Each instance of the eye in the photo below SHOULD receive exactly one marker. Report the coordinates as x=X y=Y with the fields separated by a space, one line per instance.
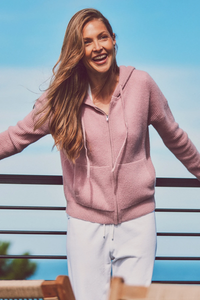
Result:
x=87 y=42
x=104 y=37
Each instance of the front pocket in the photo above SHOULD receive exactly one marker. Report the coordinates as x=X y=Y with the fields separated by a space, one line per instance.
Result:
x=94 y=192
x=135 y=183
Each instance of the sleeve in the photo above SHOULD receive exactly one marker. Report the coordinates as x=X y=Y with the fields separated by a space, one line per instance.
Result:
x=176 y=140
x=18 y=137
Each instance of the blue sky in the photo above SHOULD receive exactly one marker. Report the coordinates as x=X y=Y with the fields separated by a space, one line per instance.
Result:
x=156 y=31
x=158 y=36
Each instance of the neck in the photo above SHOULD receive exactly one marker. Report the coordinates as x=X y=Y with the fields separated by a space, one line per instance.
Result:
x=103 y=86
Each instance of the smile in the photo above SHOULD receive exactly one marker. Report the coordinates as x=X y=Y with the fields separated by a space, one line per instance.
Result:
x=100 y=58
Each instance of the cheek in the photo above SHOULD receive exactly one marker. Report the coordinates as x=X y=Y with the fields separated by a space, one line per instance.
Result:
x=86 y=59
x=111 y=48
x=86 y=54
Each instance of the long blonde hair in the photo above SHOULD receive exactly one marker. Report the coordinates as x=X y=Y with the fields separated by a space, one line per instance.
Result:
x=68 y=87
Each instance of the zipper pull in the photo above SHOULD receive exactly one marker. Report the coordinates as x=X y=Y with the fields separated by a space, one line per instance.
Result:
x=107 y=118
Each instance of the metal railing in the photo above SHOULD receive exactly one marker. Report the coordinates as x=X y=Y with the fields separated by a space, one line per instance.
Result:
x=57 y=180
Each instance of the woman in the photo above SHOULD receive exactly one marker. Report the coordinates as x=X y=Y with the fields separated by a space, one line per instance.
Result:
x=98 y=114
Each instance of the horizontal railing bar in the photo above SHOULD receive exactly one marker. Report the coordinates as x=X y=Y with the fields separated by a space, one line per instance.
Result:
x=176 y=281
x=33 y=232
x=63 y=208
x=54 y=232
x=178 y=234
x=182 y=210
x=189 y=258
x=32 y=207
x=33 y=257
x=177 y=182
x=57 y=180
x=177 y=258
x=31 y=179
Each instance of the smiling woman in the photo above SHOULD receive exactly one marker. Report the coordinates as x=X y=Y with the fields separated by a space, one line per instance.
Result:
x=99 y=114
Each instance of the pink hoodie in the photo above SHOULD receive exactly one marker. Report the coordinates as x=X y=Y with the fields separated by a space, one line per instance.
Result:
x=113 y=180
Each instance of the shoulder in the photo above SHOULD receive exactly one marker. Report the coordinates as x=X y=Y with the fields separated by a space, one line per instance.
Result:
x=135 y=74
x=142 y=76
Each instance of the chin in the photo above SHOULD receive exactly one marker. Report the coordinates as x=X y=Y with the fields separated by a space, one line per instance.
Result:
x=102 y=69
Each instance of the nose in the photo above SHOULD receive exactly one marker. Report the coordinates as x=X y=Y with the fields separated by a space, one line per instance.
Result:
x=97 y=46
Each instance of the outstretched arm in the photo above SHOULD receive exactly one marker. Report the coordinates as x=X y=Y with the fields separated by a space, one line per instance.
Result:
x=18 y=137
x=177 y=140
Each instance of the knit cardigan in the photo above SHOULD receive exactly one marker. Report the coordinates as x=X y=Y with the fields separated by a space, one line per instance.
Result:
x=113 y=179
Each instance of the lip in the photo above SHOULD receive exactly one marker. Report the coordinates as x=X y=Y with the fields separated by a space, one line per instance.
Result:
x=100 y=62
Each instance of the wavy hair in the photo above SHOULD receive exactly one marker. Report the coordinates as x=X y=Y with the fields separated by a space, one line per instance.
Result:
x=68 y=87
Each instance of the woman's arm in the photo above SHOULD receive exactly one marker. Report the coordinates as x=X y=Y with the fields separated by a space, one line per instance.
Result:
x=18 y=137
x=177 y=140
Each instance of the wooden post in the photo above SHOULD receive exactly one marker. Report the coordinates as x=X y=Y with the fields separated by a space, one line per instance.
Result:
x=116 y=288
x=64 y=288
x=61 y=288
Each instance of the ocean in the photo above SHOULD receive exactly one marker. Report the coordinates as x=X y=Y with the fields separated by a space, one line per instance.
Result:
x=163 y=270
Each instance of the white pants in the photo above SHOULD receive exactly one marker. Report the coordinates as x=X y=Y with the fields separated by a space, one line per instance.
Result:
x=93 y=250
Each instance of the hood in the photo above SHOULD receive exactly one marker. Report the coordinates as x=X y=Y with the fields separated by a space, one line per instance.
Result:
x=124 y=75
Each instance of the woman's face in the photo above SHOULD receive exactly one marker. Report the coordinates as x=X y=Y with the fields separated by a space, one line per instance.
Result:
x=99 y=47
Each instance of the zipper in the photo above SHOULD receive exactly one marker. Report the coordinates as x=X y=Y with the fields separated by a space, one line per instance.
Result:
x=103 y=112
x=113 y=176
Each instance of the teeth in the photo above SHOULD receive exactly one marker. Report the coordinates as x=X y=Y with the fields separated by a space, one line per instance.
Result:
x=100 y=57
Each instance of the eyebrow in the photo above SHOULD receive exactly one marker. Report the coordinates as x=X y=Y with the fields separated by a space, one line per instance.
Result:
x=105 y=31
